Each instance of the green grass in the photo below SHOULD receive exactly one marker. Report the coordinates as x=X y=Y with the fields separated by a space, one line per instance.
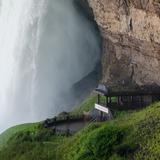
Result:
x=5 y=136
x=86 y=106
x=37 y=144
x=131 y=135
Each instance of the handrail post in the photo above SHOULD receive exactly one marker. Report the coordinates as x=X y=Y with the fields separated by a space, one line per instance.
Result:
x=106 y=101
x=98 y=99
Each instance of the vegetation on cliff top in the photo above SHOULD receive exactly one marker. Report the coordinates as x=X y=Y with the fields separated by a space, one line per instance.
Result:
x=133 y=135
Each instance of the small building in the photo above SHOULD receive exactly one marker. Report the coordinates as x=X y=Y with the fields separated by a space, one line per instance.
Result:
x=125 y=99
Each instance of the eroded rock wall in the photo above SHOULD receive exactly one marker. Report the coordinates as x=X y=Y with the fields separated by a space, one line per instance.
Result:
x=131 y=41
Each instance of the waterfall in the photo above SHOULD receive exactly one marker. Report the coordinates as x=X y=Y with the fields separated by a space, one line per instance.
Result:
x=46 y=46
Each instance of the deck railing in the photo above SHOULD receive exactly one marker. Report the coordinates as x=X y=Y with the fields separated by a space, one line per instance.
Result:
x=64 y=119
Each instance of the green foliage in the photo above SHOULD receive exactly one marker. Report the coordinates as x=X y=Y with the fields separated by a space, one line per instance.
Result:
x=100 y=143
x=131 y=135
x=31 y=145
x=5 y=136
x=148 y=135
x=120 y=114
x=95 y=145
x=86 y=106
x=116 y=157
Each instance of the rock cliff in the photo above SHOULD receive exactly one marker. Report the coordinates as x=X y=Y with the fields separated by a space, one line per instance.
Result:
x=131 y=41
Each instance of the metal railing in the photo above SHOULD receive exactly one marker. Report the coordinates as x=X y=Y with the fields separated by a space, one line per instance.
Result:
x=63 y=119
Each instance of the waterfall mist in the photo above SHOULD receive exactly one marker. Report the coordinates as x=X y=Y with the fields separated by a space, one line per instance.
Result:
x=46 y=47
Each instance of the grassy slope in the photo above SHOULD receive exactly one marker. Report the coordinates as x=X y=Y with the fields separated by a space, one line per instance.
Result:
x=5 y=136
x=39 y=144
x=131 y=135
x=86 y=105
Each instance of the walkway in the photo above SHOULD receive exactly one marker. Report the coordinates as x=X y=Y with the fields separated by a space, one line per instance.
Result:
x=69 y=125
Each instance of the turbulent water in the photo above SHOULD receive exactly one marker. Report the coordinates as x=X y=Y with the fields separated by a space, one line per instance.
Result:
x=46 y=46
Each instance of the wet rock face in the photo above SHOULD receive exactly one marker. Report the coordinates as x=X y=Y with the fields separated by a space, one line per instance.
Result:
x=131 y=41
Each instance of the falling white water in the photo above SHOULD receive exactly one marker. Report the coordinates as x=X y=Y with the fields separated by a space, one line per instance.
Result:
x=46 y=46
